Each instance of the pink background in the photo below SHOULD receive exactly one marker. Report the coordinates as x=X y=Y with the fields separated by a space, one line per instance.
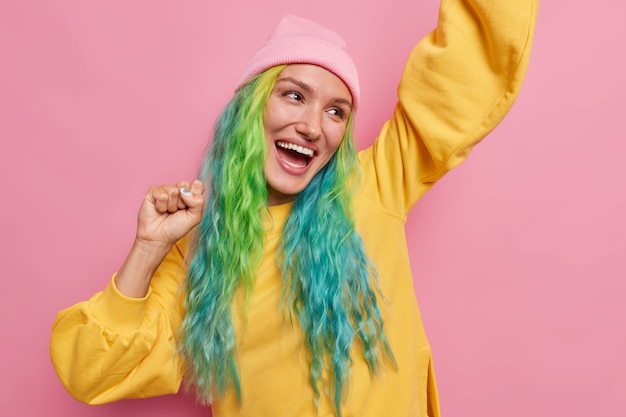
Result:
x=518 y=254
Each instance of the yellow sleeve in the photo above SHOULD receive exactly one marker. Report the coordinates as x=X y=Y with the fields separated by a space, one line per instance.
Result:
x=458 y=84
x=113 y=347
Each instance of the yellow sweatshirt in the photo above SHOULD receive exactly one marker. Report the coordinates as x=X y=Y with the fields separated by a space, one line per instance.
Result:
x=459 y=82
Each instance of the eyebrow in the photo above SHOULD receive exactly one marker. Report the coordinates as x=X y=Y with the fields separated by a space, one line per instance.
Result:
x=307 y=88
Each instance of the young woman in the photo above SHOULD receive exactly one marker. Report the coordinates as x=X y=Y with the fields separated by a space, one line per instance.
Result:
x=285 y=288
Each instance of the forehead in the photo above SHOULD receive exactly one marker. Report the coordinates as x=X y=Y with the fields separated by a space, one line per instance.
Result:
x=316 y=78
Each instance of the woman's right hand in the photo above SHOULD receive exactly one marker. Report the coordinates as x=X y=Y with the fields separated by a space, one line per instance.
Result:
x=167 y=213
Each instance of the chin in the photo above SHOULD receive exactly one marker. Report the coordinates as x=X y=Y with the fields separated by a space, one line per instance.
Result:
x=285 y=191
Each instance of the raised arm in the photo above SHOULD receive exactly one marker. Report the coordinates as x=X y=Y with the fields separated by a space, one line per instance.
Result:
x=458 y=84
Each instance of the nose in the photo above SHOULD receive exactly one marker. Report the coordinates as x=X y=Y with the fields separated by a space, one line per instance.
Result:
x=310 y=124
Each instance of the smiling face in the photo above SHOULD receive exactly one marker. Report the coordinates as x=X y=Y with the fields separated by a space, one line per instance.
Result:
x=305 y=120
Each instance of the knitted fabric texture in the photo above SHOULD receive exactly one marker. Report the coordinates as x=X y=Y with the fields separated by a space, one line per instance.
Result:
x=297 y=40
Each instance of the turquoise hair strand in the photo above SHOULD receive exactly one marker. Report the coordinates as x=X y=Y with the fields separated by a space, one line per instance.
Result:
x=329 y=282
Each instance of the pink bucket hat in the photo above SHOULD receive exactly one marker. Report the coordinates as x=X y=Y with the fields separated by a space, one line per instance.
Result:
x=302 y=41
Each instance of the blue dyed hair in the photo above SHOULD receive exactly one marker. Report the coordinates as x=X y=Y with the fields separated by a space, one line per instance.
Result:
x=329 y=283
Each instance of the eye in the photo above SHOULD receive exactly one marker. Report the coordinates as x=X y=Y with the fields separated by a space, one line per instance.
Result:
x=294 y=95
x=339 y=113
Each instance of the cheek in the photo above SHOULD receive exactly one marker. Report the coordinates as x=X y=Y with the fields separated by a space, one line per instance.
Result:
x=336 y=138
x=275 y=116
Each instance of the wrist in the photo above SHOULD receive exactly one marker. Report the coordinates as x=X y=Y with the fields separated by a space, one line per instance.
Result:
x=133 y=278
x=151 y=248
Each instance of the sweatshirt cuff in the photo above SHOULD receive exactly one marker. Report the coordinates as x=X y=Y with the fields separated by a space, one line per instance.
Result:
x=117 y=312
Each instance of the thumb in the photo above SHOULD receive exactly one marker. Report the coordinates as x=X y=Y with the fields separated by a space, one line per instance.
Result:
x=193 y=198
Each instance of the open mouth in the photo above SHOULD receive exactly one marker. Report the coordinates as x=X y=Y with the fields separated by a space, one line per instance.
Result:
x=294 y=155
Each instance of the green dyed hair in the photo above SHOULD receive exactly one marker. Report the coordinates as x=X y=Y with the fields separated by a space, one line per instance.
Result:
x=329 y=282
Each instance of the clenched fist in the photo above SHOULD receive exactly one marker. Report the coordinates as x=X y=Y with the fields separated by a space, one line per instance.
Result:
x=169 y=212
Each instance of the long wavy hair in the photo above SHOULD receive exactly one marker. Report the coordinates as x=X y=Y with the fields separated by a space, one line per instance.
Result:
x=330 y=284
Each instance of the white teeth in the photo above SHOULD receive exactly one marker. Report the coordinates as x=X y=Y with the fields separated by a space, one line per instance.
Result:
x=300 y=149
